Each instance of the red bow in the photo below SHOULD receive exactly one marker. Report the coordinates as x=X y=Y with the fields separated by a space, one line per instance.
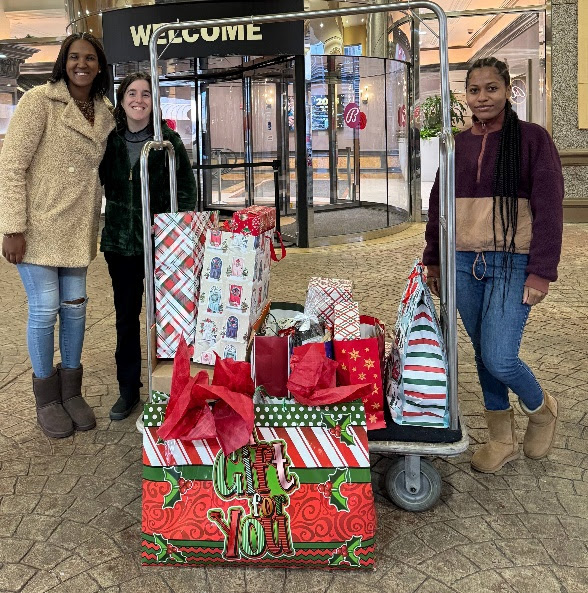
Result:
x=189 y=416
x=312 y=381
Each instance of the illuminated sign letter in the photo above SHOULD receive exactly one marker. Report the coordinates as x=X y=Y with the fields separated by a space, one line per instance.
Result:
x=190 y=37
x=231 y=33
x=210 y=36
x=141 y=34
x=254 y=33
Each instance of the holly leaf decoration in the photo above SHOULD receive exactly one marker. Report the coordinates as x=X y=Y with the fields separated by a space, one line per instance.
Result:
x=167 y=552
x=172 y=476
x=339 y=428
x=347 y=553
x=337 y=479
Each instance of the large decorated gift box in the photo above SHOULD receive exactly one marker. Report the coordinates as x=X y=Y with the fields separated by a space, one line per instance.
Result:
x=178 y=255
x=295 y=490
x=233 y=292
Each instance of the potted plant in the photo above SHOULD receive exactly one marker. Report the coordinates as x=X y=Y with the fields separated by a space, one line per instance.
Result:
x=431 y=128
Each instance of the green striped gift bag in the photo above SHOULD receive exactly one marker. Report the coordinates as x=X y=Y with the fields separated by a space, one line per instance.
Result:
x=416 y=368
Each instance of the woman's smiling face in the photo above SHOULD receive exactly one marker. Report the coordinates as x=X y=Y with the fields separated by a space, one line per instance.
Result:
x=81 y=65
x=137 y=103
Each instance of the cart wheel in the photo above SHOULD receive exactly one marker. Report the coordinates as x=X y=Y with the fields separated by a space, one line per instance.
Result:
x=418 y=500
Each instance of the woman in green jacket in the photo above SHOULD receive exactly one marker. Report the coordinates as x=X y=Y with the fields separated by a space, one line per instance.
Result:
x=122 y=236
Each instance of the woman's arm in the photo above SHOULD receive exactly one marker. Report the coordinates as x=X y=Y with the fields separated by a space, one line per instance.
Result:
x=25 y=131
x=546 y=201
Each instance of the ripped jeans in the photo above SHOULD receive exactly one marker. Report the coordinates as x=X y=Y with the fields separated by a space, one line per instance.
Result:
x=52 y=291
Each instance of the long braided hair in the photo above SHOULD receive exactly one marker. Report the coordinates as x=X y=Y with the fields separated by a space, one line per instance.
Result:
x=506 y=171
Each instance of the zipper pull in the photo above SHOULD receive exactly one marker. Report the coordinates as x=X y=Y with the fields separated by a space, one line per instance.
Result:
x=131 y=175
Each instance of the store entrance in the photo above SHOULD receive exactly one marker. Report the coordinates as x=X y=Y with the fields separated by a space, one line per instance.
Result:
x=337 y=169
x=243 y=148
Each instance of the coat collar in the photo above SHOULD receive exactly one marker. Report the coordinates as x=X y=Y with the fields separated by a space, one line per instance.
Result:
x=73 y=118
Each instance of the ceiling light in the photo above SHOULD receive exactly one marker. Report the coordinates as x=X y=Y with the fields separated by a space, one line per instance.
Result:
x=322 y=25
x=362 y=20
x=2 y=55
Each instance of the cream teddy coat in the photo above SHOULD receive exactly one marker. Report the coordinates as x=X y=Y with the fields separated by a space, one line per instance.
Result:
x=49 y=185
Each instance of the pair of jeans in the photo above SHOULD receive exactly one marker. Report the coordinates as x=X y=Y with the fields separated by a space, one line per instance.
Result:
x=53 y=291
x=127 y=273
x=490 y=304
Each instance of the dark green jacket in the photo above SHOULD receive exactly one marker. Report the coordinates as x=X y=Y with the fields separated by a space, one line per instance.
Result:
x=123 y=227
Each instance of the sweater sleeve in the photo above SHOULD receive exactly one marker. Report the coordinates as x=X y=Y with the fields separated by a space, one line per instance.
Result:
x=546 y=201
x=24 y=133
x=185 y=177
x=431 y=253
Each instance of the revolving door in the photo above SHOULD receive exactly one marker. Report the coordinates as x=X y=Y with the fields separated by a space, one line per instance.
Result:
x=351 y=124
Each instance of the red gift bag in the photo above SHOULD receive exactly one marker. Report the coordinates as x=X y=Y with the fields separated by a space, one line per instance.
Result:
x=271 y=364
x=362 y=361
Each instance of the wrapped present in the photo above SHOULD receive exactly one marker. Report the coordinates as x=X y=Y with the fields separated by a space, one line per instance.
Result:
x=297 y=494
x=416 y=368
x=361 y=361
x=234 y=290
x=323 y=294
x=254 y=220
x=346 y=321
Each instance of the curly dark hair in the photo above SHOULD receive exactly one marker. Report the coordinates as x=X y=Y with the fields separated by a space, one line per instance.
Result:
x=101 y=83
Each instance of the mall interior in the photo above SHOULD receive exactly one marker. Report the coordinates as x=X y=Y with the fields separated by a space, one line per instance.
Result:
x=263 y=113
x=237 y=104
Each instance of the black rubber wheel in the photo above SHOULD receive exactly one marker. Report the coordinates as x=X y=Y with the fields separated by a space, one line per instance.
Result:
x=428 y=493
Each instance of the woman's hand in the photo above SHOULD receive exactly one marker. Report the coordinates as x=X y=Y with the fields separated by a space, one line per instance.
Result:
x=532 y=296
x=14 y=247
x=434 y=285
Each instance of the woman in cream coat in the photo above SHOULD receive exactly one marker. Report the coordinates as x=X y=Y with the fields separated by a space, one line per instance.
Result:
x=50 y=198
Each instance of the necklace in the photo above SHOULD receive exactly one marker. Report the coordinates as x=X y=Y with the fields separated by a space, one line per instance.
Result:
x=87 y=109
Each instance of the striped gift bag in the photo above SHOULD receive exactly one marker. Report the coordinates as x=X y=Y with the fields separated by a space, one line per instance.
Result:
x=416 y=368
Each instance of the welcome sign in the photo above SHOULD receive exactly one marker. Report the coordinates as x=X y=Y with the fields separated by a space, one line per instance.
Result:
x=127 y=31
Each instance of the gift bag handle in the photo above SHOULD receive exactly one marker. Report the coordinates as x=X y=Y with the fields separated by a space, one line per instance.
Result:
x=273 y=249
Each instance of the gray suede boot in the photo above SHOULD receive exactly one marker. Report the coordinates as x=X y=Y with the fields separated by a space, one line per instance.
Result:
x=80 y=412
x=53 y=419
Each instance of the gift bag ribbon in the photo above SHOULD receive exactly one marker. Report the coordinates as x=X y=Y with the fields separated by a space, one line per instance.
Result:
x=189 y=416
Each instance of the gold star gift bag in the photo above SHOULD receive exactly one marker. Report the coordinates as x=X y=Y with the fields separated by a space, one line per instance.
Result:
x=361 y=361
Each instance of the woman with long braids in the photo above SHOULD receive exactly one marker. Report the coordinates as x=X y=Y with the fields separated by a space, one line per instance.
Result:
x=509 y=214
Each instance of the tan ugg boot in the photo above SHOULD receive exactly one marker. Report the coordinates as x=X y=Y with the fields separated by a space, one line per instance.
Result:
x=52 y=418
x=75 y=405
x=541 y=428
x=502 y=445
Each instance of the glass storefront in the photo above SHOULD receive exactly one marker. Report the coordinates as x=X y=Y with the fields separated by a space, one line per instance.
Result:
x=364 y=82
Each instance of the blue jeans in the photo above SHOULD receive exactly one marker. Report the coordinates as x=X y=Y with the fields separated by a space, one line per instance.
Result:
x=52 y=291
x=495 y=321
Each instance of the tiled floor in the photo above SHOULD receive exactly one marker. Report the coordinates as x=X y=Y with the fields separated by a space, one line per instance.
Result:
x=70 y=509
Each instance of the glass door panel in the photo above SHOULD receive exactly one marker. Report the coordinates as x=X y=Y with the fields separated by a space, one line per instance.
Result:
x=226 y=144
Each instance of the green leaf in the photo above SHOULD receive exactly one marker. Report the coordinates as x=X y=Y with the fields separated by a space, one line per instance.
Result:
x=338 y=478
x=172 y=476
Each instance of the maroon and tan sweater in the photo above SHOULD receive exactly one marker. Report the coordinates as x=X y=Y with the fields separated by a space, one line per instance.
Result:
x=540 y=197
